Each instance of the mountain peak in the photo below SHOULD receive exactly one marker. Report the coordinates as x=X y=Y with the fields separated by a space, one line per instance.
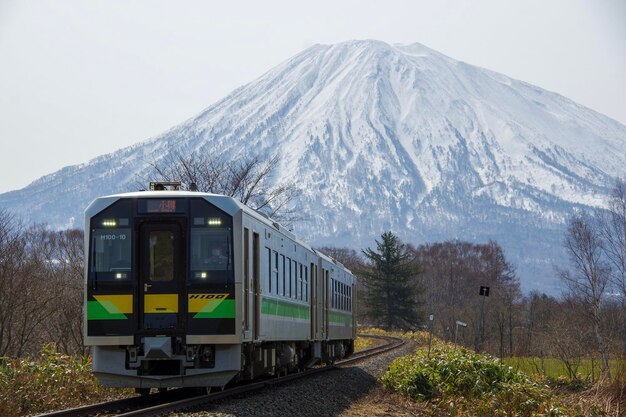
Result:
x=389 y=137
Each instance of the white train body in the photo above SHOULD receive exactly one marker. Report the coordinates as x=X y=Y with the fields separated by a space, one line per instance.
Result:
x=195 y=289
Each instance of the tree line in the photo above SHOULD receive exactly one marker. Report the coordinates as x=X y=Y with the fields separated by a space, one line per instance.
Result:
x=402 y=286
x=41 y=288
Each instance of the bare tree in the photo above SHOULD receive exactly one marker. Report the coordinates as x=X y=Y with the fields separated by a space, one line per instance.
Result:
x=27 y=289
x=250 y=180
x=66 y=270
x=588 y=280
x=613 y=232
x=12 y=250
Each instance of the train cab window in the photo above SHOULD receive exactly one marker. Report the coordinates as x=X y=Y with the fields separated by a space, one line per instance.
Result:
x=161 y=247
x=210 y=250
x=112 y=253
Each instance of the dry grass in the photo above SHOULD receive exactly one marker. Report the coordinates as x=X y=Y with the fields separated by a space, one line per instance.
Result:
x=50 y=381
x=602 y=399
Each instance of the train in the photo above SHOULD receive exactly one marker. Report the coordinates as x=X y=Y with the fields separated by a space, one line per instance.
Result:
x=191 y=289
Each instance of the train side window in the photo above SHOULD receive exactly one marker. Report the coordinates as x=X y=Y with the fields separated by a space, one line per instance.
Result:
x=282 y=272
x=331 y=292
x=339 y=294
x=306 y=283
x=349 y=298
x=269 y=269
x=275 y=271
x=288 y=268
x=294 y=279
x=301 y=282
x=339 y=303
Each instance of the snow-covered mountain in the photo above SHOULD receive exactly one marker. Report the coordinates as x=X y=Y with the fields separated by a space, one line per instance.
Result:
x=388 y=137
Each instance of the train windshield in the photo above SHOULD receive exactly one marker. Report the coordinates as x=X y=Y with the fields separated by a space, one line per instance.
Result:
x=112 y=253
x=210 y=250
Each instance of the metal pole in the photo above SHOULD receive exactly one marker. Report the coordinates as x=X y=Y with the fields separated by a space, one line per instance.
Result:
x=430 y=333
x=482 y=325
x=456 y=331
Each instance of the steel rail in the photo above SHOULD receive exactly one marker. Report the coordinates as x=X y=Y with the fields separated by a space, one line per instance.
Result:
x=121 y=404
x=191 y=403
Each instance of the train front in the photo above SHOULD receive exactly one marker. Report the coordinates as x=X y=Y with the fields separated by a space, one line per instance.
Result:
x=160 y=290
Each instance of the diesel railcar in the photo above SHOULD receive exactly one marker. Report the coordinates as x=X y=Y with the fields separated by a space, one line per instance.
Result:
x=189 y=289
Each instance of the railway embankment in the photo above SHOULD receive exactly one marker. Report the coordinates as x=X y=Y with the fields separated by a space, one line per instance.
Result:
x=329 y=393
x=410 y=381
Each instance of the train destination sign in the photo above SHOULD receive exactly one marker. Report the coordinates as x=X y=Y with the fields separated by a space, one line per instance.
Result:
x=159 y=205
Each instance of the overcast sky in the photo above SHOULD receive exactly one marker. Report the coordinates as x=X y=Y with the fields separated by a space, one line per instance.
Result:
x=82 y=78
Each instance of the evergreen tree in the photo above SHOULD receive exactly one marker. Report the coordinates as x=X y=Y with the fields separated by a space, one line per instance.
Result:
x=390 y=280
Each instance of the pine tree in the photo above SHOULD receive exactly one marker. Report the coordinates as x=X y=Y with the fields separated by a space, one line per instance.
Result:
x=390 y=280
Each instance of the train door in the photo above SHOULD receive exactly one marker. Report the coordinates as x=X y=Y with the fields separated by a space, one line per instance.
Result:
x=161 y=278
x=352 y=302
x=256 y=279
x=326 y=301
x=246 y=282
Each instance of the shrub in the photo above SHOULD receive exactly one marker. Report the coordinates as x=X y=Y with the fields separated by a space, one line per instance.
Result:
x=461 y=380
x=48 y=382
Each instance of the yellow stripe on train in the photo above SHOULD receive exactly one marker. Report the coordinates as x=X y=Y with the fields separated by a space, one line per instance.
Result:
x=116 y=304
x=160 y=303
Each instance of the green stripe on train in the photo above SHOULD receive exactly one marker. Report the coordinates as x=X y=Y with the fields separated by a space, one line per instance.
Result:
x=340 y=318
x=224 y=310
x=96 y=310
x=285 y=309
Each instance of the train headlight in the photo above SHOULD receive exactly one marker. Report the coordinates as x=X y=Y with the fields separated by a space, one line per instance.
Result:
x=214 y=221
x=203 y=275
x=109 y=223
x=120 y=275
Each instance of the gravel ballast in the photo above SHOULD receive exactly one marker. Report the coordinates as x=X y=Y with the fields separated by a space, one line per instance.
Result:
x=329 y=393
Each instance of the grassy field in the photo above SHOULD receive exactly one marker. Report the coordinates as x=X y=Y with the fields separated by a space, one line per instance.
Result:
x=555 y=368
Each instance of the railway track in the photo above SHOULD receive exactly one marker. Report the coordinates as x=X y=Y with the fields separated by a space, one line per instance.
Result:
x=181 y=399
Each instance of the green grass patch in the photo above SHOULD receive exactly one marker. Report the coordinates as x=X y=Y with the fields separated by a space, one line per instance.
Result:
x=555 y=368
x=459 y=381
x=51 y=381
